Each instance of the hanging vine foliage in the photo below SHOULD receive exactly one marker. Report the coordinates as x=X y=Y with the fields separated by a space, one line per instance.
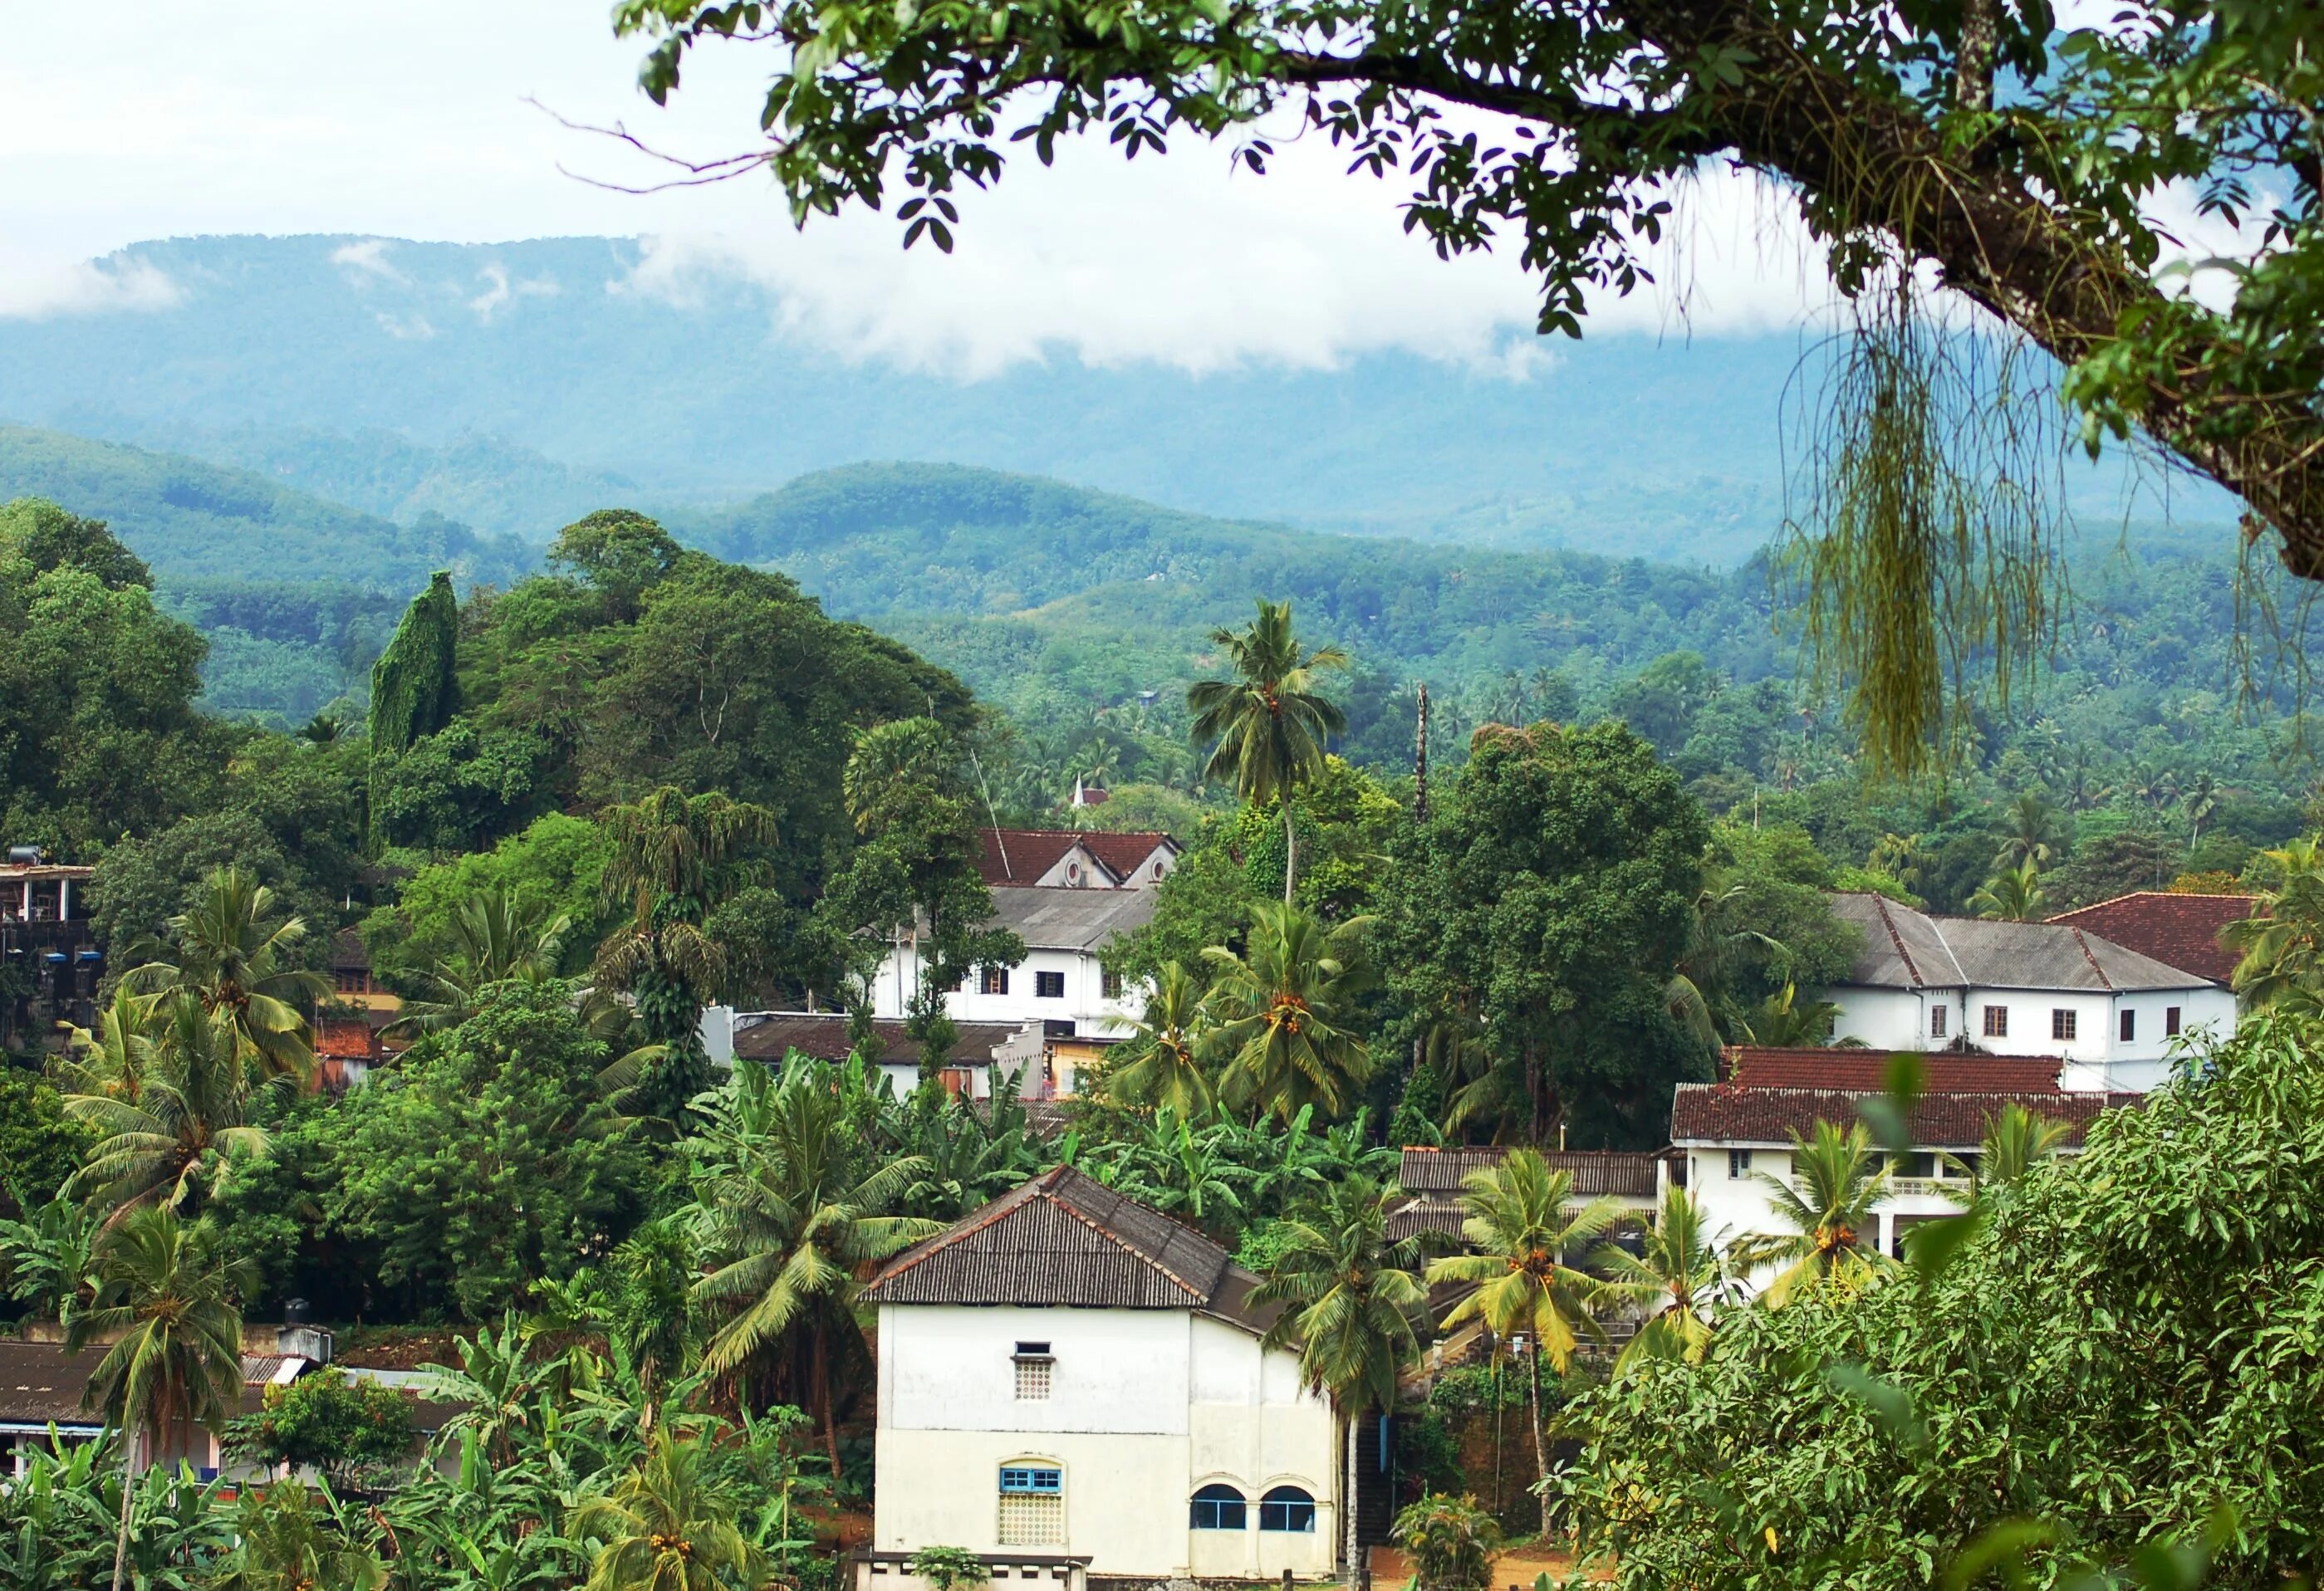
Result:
x=412 y=690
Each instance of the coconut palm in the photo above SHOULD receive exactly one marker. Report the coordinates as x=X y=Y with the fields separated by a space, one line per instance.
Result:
x=1786 y=1021
x=2200 y=801
x=166 y=1303
x=1164 y=1068
x=2282 y=944
x=241 y=962
x=1825 y=1209
x=285 y=1544
x=1352 y=1296
x=1280 y=1007
x=2013 y=894
x=1267 y=723
x=667 y=1525
x=166 y=1125
x=499 y=937
x=1676 y=1279
x=2029 y=833
x=1521 y=1222
x=2016 y=1140
x=793 y=1212
x=673 y=856
x=1713 y=939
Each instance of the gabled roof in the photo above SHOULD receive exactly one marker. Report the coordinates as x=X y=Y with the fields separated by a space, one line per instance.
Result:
x=1065 y=1238
x=1724 y=1113
x=347 y=952
x=2178 y=930
x=769 y=1035
x=1071 y=919
x=1853 y=1070
x=1905 y=948
x=1021 y=856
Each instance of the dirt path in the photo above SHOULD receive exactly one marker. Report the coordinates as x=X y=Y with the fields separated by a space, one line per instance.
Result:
x=1513 y=1570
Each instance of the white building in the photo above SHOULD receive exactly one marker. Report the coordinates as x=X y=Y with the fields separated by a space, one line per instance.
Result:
x=1923 y=982
x=1062 y=984
x=1071 y=1383
x=1731 y=1132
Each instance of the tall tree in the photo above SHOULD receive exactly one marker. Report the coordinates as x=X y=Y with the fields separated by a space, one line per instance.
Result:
x=1674 y=1280
x=499 y=935
x=1978 y=144
x=1826 y=1207
x=171 y=1096
x=2281 y=945
x=230 y=952
x=2013 y=894
x=674 y=857
x=1283 y=1008
x=166 y=1305
x=1351 y=1295
x=1268 y=723
x=1521 y=1222
x=412 y=689
x=1162 y=1063
x=668 y=1524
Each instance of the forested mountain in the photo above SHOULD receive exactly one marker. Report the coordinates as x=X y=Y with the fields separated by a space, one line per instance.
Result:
x=512 y=380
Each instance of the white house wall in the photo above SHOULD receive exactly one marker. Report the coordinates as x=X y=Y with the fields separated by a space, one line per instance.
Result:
x=1145 y=1406
x=2097 y=1056
x=1741 y=1206
x=1084 y=1002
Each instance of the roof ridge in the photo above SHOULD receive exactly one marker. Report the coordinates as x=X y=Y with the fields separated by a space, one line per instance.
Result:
x=1880 y=904
x=2083 y=945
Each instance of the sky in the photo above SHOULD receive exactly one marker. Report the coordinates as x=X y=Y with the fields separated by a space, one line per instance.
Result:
x=425 y=120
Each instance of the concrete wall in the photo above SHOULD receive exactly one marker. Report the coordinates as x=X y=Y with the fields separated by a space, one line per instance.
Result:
x=1084 y=1002
x=2096 y=1057
x=1145 y=1406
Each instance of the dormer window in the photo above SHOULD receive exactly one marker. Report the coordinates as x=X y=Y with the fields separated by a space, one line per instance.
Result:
x=1034 y=1363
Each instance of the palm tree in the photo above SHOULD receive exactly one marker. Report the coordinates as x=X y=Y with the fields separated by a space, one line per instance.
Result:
x=1785 y=1022
x=184 y=1104
x=285 y=1544
x=1267 y=723
x=240 y=961
x=2014 y=894
x=1900 y=856
x=2028 y=832
x=1279 y=1006
x=792 y=1216
x=1712 y=940
x=667 y=1525
x=673 y=855
x=500 y=936
x=2282 y=944
x=2201 y=801
x=1164 y=1069
x=2014 y=1143
x=1351 y=1295
x=1826 y=1207
x=1521 y=1223
x=1676 y=1280
x=166 y=1298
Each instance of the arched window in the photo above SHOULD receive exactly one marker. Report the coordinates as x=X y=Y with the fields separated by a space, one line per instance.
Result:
x=1286 y=1508
x=1220 y=1507
x=1032 y=1505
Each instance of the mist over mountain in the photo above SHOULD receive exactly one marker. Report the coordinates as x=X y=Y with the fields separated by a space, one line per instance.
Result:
x=513 y=386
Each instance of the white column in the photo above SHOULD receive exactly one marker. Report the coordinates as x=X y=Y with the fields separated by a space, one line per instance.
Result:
x=64 y=899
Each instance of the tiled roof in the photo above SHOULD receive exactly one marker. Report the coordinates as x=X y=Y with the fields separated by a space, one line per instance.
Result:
x=1020 y=856
x=1866 y=1071
x=1071 y=919
x=1724 y=1113
x=823 y=1035
x=1905 y=948
x=1594 y=1172
x=1065 y=1238
x=40 y=1385
x=354 y=1040
x=2178 y=930
x=347 y=952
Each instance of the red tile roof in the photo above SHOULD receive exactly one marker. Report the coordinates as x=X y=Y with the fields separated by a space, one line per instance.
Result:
x=346 y=1041
x=1725 y=1113
x=1866 y=1071
x=1031 y=852
x=2179 y=931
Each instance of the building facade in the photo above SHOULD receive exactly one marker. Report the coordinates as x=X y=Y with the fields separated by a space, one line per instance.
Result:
x=2112 y=1015
x=1062 y=985
x=1069 y=1378
x=50 y=961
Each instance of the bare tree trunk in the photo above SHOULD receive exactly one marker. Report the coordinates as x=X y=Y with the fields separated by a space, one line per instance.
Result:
x=1290 y=850
x=822 y=1394
x=1540 y=1439
x=128 y=1485
x=1354 y=1565
x=1973 y=64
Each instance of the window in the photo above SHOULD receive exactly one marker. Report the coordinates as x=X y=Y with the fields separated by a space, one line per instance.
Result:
x=1049 y=986
x=1286 y=1508
x=1034 y=1363
x=1160 y=869
x=1936 y=1022
x=1996 y=1022
x=1221 y=1508
x=1032 y=1505
x=1965 y=1164
x=2063 y=1025
x=1920 y=1162
x=994 y=980
x=1739 y=1165
x=2129 y=1026
x=2170 y=1022
x=1109 y=984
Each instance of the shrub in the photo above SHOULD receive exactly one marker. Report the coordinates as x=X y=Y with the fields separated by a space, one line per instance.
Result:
x=945 y=1568
x=1451 y=1541
x=325 y=1420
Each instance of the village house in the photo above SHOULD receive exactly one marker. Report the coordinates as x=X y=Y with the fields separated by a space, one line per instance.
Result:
x=1073 y=1385
x=2178 y=930
x=1729 y=1132
x=1062 y=984
x=1435 y=1178
x=2053 y=989
x=1075 y=858
x=47 y=941
x=983 y=1052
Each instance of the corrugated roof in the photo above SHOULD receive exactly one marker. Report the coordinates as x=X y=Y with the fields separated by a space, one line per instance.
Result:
x=1942 y=1071
x=822 y=1036
x=1724 y=1113
x=1905 y=948
x=1065 y=1238
x=41 y=1383
x=1595 y=1171
x=1071 y=919
x=2177 y=930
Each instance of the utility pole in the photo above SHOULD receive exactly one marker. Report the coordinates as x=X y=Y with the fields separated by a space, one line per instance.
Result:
x=1420 y=760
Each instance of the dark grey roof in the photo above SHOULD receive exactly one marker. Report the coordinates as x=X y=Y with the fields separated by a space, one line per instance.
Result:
x=1071 y=919
x=769 y=1035
x=1905 y=948
x=1595 y=1171
x=40 y=1385
x=1065 y=1238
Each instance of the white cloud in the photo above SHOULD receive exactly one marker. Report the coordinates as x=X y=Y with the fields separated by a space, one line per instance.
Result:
x=500 y=291
x=367 y=259
x=35 y=289
x=405 y=328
